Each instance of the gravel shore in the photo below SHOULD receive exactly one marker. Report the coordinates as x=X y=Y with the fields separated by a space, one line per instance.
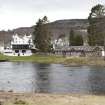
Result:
x=8 y=98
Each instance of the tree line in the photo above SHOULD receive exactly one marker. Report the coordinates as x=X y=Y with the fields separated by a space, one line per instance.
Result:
x=96 y=31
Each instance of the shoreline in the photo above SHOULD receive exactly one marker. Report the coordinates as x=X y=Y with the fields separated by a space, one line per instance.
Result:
x=50 y=99
x=12 y=98
x=53 y=59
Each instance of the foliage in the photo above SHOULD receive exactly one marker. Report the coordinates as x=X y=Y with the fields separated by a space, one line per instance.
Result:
x=97 y=11
x=42 y=37
x=96 y=23
x=78 y=40
x=75 y=40
x=71 y=38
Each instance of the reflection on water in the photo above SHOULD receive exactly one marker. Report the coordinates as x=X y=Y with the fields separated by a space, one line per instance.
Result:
x=51 y=78
x=42 y=78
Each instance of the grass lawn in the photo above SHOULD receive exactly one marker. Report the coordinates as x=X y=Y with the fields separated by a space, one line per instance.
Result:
x=70 y=61
x=2 y=57
x=37 y=58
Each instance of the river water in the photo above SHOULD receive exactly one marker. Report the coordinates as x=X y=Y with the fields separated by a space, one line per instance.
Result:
x=51 y=78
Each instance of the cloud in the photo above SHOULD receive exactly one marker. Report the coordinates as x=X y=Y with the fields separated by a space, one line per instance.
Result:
x=16 y=13
x=41 y=5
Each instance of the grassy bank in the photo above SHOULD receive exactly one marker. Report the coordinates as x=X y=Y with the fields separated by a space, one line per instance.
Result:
x=50 y=99
x=89 y=61
x=70 y=61
x=2 y=57
x=38 y=58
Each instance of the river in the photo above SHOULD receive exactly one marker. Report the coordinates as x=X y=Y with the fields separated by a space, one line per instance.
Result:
x=51 y=78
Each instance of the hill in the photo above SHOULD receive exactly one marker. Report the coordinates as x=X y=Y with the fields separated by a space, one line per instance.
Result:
x=56 y=28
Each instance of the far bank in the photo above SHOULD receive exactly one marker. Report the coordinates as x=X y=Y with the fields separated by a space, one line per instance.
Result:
x=69 y=61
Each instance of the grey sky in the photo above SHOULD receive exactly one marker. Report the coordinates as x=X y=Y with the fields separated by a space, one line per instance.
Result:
x=19 y=13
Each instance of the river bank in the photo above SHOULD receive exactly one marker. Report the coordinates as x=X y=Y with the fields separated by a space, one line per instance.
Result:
x=69 y=61
x=37 y=58
x=87 y=61
x=49 y=99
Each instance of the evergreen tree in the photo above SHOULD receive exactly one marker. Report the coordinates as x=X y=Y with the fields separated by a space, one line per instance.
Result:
x=96 y=23
x=75 y=40
x=42 y=37
x=78 y=40
x=71 y=38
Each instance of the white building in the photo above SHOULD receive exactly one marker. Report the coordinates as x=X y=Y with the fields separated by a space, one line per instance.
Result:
x=60 y=43
x=20 y=46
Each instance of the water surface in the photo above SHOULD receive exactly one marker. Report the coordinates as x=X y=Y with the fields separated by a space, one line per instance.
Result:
x=51 y=78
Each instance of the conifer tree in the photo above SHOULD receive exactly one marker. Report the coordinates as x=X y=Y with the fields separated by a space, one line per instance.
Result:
x=75 y=40
x=42 y=36
x=96 y=33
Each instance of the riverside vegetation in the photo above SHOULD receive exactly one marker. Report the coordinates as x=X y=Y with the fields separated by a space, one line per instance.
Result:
x=70 y=61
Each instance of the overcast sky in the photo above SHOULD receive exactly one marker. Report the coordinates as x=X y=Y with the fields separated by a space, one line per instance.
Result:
x=25 y=13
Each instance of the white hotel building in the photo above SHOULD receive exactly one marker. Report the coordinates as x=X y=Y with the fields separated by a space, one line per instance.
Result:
x=20 y=46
